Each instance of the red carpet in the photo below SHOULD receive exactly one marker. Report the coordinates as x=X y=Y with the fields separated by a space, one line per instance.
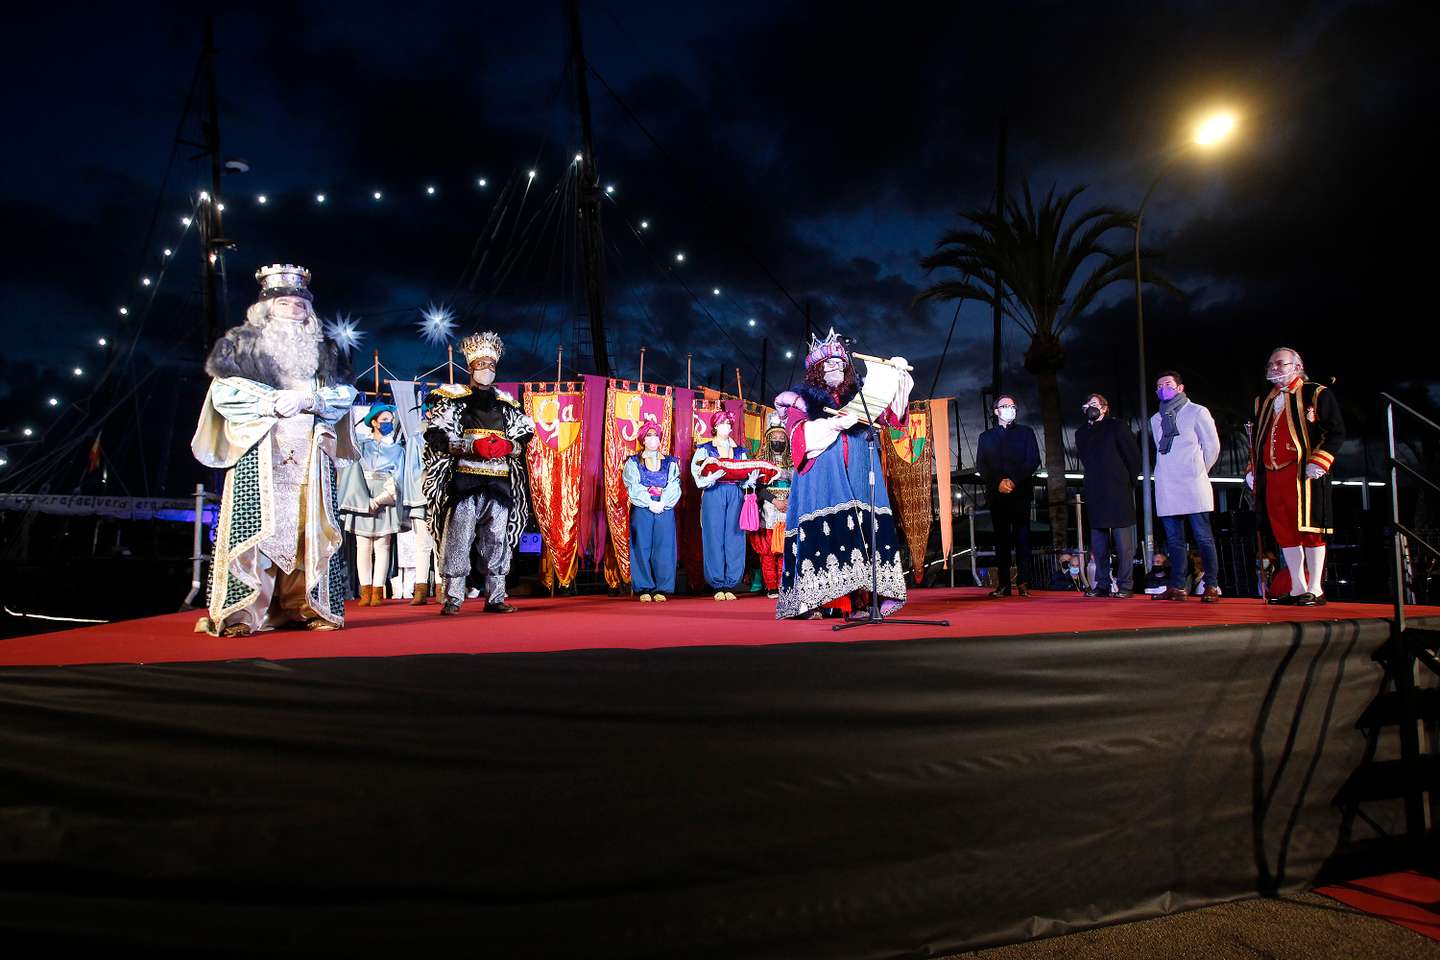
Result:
x=579 y=623
x=1410 y=899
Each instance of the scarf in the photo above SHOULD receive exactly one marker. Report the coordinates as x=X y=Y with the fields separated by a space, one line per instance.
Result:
x=1168 y=428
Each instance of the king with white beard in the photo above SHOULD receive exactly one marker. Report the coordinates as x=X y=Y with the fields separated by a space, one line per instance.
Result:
x=275 y=420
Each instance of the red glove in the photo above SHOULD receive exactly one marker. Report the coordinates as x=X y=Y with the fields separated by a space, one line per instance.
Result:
x=490 y=448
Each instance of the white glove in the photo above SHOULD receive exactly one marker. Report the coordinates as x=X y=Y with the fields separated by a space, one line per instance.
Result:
x=750 y=480
x=656 y=507
x=844 y=422
x=1313 y=471
x=1250 y=480
x=289 y=402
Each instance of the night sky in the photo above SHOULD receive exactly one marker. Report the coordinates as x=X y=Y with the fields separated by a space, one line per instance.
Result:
x=828 y=144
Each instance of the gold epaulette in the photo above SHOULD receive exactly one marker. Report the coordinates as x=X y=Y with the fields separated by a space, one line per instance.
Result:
x=453 y=391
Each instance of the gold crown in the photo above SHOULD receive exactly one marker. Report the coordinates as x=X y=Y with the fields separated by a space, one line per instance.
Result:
x=482 y=345
x=284 y=280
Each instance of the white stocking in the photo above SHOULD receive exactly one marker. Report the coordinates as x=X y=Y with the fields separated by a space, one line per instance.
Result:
x=407 y=582
x=424 y=550
x=1315 y=569
x=382 y=561
x=364 y=559
x=1295 y=563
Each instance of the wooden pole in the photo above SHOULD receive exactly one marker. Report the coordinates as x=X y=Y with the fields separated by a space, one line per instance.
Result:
x=450 y=362
x=739 y=387
x=642 y=368
x=688 y=384
x=377 y=374
x=559 y=364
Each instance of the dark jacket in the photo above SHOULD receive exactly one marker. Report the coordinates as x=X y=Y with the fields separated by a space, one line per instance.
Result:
x=1008 y=452
x=1111 y=457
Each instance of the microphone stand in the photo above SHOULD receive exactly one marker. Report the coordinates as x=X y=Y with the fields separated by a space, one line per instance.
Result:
x=872 y=615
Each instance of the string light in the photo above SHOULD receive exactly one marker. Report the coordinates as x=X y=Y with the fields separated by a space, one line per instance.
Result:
x=54 y=401
x=482 y=182
x=220 y=207
x=144 y=281
x=124 y=311
x=751 y=321
x=644 y=224
x=578 y=158
x=103 y=342
x=204 y=197
x=430 y=191
x=680 y=258
x=532 y=174
x=319 y=198
x=262 y=199
x=376 y=194
x=184 y=221
x=168 y=252
x=28 y=432
x=79 y=372
x=789 y=354
x=3 y=461
x=610 y=188
x=717 y=291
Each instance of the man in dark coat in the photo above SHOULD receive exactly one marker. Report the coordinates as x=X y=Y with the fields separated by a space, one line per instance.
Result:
x=1111 y=458
x=1006 y=457
x=1298 y=431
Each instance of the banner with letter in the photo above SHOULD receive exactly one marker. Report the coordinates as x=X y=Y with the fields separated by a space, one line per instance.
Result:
x=628 y=407
x=908 y=467
x=556 y=461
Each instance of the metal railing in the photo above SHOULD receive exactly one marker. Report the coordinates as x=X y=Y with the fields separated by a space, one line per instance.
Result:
x=1403 y=656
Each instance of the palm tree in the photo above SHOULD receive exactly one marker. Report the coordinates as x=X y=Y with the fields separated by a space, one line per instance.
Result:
x=1049 y=272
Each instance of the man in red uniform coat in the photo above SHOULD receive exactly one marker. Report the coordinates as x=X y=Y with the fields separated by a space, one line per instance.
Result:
x=1298 y=432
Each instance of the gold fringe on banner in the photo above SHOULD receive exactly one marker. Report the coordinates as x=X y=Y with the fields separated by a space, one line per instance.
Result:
x=556 y=461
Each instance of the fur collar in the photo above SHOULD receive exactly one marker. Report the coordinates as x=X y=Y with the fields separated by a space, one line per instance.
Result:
x=238 y=354
x=813 y=401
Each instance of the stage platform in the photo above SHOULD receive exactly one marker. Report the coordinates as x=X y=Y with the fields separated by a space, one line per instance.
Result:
x=614 y=780
x=544 y=625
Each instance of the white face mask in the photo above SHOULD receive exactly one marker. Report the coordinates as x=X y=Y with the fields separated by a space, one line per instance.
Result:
x=722 y=430
x=1280 y=376
x=1006 y=414
x=484 y=376
x=652 y=442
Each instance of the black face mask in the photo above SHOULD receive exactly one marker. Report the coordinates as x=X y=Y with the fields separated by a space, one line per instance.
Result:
x=777 y=446
x=1092 y=414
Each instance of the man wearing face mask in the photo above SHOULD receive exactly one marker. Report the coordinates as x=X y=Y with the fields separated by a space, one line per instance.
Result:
x=1187 y=446
x=652 y=482
x=1111 y=459
x=383 y=461
x=1006 y=457
x=1298 y=430
x=474 y=480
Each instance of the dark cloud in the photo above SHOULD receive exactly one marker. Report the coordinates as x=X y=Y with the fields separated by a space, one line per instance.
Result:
x=805 y=151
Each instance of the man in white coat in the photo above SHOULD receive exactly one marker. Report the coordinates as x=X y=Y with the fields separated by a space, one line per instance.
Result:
x=1187 y=446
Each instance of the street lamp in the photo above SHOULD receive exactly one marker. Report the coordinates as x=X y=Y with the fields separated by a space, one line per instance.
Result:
x=1210 y=132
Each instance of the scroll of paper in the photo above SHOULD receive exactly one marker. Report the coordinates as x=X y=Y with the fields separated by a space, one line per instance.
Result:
x=881 y=387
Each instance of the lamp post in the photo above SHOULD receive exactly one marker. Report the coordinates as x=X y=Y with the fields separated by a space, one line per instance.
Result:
x=1209 y=133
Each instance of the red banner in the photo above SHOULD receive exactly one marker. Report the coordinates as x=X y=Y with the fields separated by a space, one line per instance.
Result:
x=628 y=407
x=556 y=460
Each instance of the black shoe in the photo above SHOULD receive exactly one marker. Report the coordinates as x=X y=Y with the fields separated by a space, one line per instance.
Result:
x=1287 y=600
x=1305 y=600
x=1023 y=590
x=450 y=609
x=1320 y=600
x=501 y=607
x=1122 y=595
x=1090 y=592
x=999 y=592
